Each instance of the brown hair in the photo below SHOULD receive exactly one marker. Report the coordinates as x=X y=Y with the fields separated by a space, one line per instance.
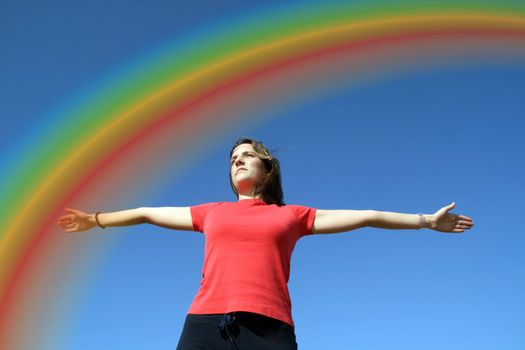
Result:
x=272 y=190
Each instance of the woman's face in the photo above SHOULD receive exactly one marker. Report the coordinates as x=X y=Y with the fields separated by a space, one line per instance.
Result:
x=246 y=169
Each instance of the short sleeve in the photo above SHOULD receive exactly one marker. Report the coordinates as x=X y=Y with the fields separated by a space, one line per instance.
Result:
x=199 y=213
x=305 y=218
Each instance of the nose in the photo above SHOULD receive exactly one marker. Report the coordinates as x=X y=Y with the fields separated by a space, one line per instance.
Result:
x=239 y=161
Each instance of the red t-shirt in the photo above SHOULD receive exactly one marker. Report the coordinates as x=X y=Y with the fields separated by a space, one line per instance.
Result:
x=247 y=256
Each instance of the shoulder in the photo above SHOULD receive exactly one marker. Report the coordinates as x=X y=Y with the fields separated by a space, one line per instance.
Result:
x=200 y=213
x=209 y=204
x=297 y=208
x=304 y=216
x=205 y=207
x=300 y=211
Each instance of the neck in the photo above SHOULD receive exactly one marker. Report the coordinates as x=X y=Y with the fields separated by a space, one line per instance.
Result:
x=249 y=196
x=247 y=192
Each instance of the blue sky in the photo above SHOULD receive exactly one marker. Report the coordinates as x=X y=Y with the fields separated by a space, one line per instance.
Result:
x=410 y=143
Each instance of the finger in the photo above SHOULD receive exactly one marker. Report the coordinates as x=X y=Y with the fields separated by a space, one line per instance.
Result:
x=67 y=218
x=72 y=229
x=450 y=206
x=444 y=211
x=65 y=222
x=74 y=211
x=465 y=223
x=465 y=218
x=70 y=226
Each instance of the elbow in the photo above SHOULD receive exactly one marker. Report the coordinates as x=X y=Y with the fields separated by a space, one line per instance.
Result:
x=144 y=215
x=372 y=218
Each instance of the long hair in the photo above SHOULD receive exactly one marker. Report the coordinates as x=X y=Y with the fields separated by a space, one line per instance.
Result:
x=271 y=190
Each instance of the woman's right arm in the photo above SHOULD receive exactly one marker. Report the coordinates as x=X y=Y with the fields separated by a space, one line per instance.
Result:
x=177 y=218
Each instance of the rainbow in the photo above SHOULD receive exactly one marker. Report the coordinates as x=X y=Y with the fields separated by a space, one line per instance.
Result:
x=166 y=105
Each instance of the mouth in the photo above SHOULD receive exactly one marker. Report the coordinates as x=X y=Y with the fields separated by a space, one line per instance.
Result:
x=239 y=170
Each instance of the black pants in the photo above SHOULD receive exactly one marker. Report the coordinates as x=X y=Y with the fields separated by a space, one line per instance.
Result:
x=245 y=331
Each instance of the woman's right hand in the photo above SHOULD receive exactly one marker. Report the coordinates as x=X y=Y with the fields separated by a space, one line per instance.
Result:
x=77 y=221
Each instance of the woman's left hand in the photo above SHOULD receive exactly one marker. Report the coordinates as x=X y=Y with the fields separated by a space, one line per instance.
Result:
x=444 y=221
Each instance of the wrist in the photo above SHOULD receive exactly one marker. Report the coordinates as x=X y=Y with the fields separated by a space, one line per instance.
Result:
x=425 y=221
x=92 y=220
x=97 y=220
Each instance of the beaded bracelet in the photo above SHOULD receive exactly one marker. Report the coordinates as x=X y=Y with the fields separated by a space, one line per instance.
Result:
x=98 y=222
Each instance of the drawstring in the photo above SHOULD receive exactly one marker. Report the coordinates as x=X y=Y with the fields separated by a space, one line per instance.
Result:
x=227 y=321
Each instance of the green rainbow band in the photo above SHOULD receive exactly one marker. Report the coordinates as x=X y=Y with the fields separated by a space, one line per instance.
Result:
x=119 y=116
x=107 y=122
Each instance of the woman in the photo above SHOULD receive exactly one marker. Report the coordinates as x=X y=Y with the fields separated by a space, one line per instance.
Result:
x=243 y=301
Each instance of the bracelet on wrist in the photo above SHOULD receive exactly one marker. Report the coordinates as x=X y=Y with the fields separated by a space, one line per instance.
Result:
x=422 y=221
x=98 y=222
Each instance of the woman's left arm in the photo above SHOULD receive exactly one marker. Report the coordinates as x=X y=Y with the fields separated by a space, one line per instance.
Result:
x=333 y=221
